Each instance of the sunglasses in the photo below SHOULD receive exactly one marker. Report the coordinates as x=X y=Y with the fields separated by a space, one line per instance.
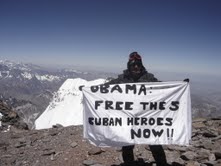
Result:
x=135 y=56
x=135 y=63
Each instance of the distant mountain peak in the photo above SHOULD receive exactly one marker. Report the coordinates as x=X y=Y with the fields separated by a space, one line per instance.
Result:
x=66 y=107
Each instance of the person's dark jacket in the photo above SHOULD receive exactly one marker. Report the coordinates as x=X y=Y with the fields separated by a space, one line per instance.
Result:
x=126 y=78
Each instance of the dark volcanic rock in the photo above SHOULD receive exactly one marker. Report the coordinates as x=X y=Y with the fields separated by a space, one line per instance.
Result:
x=66 y=146
x=10 y=118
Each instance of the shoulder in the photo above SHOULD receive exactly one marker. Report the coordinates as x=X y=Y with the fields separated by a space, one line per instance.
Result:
x=122 y=78
x=148 y=77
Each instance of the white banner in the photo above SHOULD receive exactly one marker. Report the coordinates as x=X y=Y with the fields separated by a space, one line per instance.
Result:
x=140 y=113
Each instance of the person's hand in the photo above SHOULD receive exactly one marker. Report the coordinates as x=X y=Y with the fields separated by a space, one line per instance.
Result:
x=186 y=80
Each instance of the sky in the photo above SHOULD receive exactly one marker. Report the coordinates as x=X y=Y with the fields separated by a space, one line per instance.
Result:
x=170 y=35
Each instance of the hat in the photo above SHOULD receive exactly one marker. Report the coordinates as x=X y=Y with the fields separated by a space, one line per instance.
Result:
x=134 y=57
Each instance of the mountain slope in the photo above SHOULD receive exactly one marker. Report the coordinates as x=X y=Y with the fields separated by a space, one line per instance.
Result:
x=66 y=107
x=29 y=88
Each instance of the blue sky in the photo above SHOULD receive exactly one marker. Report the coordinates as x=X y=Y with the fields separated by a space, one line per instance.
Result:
x=171 y=35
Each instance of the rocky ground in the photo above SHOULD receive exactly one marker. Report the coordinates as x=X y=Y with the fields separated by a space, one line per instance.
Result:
x=65 y=146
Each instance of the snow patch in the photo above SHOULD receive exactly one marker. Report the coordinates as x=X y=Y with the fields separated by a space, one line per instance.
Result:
x=66 y=107
x=27 y=75
x=5 y=74
x=49 y=78
x=75 y=71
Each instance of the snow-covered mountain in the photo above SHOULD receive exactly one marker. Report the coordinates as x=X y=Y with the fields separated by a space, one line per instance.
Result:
x=29 y=88
x=66 y=107
x=21 y=71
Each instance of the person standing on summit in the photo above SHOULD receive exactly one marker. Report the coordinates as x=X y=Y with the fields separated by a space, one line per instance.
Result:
x=134 y=73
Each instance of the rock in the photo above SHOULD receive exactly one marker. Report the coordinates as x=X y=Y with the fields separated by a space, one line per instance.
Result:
x=199 y=125
x=57 y=126
x=6 y=156
x=189 y=155
x=54 y=133
x=177 y=148
x=199 y=120
x=209 y=163
x=74 y=144
x=209 y=134
x=22 y=125
x=178 y=161
x=218 y=154
x=212 y=157
x=207 y=144
x=173 y=156
x=216 y=138
x=20 y=144
x=192 y=163
x=89 y=162
x=216 y=146
x=203 y=154
x=48 y=152
x=11 y=118
x=95 y=151
x=12 y=115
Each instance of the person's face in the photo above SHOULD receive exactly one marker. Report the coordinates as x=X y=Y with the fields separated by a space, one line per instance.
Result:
x=135 y=68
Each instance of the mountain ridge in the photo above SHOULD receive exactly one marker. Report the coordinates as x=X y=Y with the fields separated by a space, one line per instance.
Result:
x=66 y=107
x=29 y=89
x=32 y=87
